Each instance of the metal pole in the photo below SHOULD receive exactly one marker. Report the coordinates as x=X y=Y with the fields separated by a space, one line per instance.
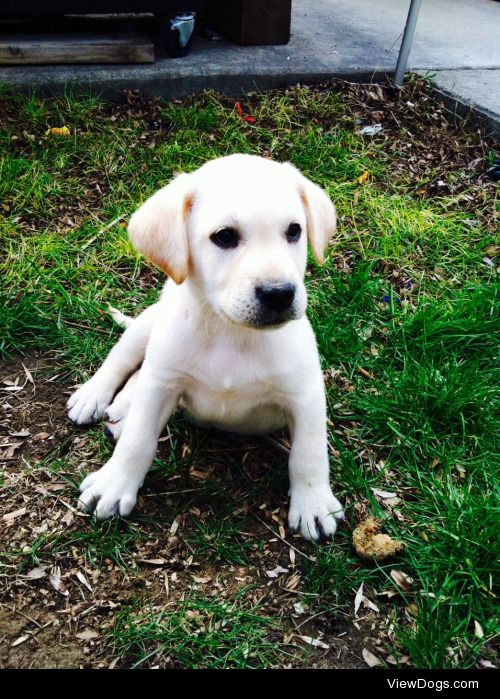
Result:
x=406 y=44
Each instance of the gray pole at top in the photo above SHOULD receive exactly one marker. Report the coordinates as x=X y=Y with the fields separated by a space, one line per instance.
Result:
x=406 y=44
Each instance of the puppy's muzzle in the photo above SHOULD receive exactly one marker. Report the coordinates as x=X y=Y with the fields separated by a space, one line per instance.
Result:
x=275 y=303
x=275 y=297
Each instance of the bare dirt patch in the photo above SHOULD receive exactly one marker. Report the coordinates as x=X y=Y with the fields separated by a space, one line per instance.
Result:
x=65 y=579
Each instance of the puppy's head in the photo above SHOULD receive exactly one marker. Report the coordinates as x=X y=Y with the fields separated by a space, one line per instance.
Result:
x=237 y=229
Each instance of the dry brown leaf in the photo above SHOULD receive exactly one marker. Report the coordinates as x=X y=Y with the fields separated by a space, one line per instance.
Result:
x=358 y=599
x=370 y=659
x=391 y=503
x=279 y=570
x=56 y=487
x=362 y=599
x=28 y=374
x=401 y=660
x=35 y=574
x=478 y=630
x=398 y=514
x=199 y=475
x=68 y=518
x=315 y=642
x=299 y=608
x=11 y=516
x=11 y=448
x=21 y=433
x=412 y=609
x=401 y=579
x=383 y=494
x=40 y=436
x=292 y=582
x=81 y=577
x=57 y=582
x=365 y=373
x=371 y=605
x=18 y=641
x=87 y=635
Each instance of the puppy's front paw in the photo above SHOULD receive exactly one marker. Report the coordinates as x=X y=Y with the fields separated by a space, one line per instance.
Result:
x=89 y=402
x=314 y=512
x=109 y=491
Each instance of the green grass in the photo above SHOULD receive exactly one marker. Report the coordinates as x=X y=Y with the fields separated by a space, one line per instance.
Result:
x=405 y=312
x=219 y=540
x=198 y=633
x=115 y=540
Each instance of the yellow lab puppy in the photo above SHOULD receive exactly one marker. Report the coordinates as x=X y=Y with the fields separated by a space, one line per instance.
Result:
x=228 y=341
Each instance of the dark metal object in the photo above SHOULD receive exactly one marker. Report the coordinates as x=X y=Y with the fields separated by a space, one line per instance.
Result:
x=494 y=172
x=180 y=34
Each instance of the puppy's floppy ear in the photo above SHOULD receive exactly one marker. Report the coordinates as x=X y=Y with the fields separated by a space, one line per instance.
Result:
x=321 y=216
x=159 y=228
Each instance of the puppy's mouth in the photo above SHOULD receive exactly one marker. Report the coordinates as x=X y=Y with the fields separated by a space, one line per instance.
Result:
x=266 y=320
x=270 y=319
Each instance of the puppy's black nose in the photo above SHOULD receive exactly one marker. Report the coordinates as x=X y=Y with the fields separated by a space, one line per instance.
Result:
x=275 y=297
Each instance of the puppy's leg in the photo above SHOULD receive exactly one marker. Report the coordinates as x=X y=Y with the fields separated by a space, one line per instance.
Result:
x=314 y=510
x=115 y=414
x=113 y=489
x=90 y=401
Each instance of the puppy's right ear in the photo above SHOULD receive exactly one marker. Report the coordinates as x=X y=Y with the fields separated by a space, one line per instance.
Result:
x=159 y=228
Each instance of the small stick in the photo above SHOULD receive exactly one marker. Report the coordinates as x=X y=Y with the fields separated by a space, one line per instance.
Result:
x=86 y=327
x=274 y=443
x=309 y=558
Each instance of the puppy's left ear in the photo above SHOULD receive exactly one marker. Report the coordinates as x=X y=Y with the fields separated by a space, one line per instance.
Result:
x=159 y=228
x=321 y=216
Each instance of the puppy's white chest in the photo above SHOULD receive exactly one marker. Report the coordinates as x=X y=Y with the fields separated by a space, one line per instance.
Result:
x=228 y=383
x=227 y=391
x=227 y=396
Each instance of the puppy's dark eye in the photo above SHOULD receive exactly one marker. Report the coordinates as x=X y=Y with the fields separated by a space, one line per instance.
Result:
x=225 y=238
x=293 y=232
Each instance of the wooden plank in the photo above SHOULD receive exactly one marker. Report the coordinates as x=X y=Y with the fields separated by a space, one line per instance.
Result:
x=76 y=7
x=23 y=49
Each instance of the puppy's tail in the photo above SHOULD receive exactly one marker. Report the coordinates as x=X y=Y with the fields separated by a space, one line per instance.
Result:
x=120 y=318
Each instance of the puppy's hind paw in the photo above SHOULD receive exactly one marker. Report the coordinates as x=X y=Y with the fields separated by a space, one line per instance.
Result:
x=112 y=430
